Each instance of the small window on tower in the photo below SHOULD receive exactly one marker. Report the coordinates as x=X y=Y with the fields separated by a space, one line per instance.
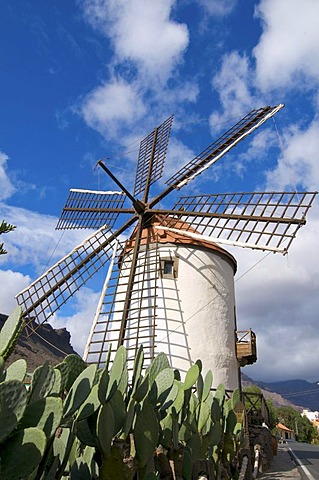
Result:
x=169 y=267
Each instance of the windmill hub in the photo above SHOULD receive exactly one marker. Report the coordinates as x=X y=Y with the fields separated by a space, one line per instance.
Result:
x=139 y=207
x=147 y=218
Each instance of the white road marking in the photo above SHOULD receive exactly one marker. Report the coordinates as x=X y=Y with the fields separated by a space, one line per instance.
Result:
x=305 y=469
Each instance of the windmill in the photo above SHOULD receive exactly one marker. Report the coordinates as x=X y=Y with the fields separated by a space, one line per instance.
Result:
x=170 y=285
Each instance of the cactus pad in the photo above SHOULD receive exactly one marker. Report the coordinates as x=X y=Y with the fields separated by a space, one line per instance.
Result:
x=79 y=391
x=10 y=332
x=22 y=453
x=44 y=414
x=13 y=400
x=42 y=382
x=105 y=428
x=208 y=381
x=159 y=363
x=90 y=405
x=118 y=367
x=146 y=431
x=191 y=376
x=17 y=370
x=75 y=367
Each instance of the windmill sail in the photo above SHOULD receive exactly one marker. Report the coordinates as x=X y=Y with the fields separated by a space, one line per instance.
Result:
x=222 y=145
x=259 y=219
x=217 y=149
x=90 y=209
x=151 y=157
x=46 y=295
x=119 y=322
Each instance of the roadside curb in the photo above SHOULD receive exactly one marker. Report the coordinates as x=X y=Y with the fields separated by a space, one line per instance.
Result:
x=282 y=466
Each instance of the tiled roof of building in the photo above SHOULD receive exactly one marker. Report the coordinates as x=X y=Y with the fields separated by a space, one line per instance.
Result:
x=281 y=426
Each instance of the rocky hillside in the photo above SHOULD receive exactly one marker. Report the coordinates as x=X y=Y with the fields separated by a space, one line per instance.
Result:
x=299 y=394
x=45 y=344
x=276 y=398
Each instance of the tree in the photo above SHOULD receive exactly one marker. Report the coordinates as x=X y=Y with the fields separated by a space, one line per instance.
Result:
x=303 y=428
x=273 y=414
x=5 y=228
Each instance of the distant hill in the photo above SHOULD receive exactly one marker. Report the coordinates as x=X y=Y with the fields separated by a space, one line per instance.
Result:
x=297 y=393
x=276 y=398
x=45 y=344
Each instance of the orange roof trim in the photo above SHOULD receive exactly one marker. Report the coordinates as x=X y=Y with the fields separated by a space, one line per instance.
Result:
x=281 y=426
x=156 y=235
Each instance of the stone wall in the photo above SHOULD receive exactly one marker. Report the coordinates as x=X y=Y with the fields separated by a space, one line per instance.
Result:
x=261 y=436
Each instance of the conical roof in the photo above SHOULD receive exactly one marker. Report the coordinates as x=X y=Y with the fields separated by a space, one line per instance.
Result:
x=152 y=233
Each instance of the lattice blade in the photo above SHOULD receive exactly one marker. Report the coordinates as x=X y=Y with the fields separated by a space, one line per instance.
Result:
x=222 y=145
x=46 y=294
x=269 y=219
x=140 y=316
x=151 y=156
x=90 y=209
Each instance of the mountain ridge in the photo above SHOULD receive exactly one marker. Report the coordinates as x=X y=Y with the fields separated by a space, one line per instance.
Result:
x=298 y=393
x=44 y=344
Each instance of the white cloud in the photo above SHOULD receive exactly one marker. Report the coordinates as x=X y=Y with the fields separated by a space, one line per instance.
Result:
x=232 y=83
x=218 y=7
x=6 y=187
x=11 y=283
x=185 y=92
x=79 y=323
x=34 y=240
x=287 y=53
x=278 y=299
x=142 y=32
x=113 y=103
x=143 y=71
x=257 y=150
x=298 y=164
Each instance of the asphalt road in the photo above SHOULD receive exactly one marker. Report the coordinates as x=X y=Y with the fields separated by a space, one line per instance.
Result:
x=307 y=458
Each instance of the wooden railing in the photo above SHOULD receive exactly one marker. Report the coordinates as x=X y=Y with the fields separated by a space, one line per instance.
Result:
x=246 y=349
x=256 y=408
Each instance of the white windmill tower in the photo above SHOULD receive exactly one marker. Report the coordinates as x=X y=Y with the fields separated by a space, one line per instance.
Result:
x=170 y=286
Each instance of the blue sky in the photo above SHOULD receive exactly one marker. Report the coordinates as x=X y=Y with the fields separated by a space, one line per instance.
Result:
x=82 y=80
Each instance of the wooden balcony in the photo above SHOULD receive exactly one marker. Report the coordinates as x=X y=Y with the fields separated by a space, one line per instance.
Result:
x=246 y=347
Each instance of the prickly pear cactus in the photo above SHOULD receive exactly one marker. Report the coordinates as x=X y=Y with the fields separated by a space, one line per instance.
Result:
x=21 y=455
x=10 y=332
x=17 y=370
x=75 y=366
x=80 y=422
x=42 y=382
x=13 y=401
x=45 y=414
x=79 y=391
